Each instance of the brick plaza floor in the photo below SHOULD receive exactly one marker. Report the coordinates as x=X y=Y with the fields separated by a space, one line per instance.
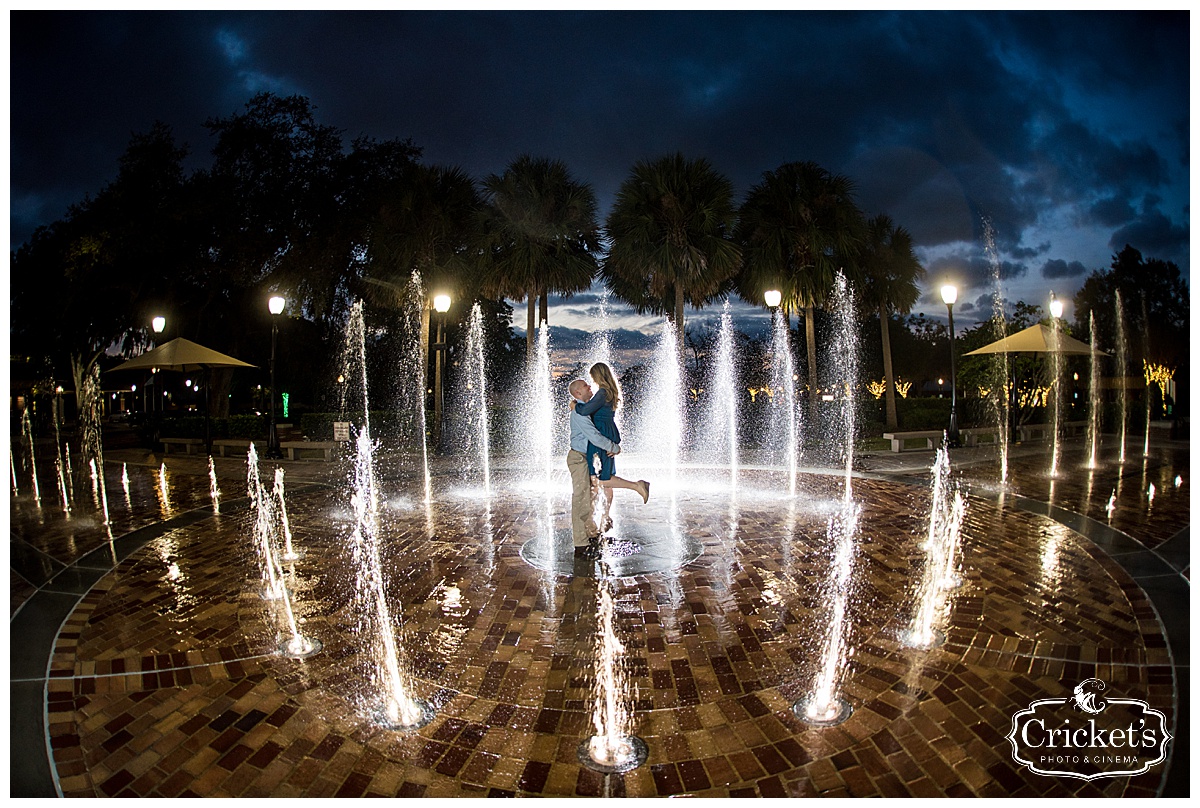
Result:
x=144 y=659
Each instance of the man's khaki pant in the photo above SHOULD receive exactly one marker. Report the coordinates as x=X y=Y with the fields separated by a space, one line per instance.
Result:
x=583 y=526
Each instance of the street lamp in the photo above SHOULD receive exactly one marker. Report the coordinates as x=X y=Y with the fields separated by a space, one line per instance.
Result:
x=275 y=306
x=949 y=295
x=159 y=323
x=772 y=297
x=441 y=304
x=1056 y=306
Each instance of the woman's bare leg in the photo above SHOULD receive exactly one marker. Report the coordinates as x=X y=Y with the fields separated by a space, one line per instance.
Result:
x=619 y=482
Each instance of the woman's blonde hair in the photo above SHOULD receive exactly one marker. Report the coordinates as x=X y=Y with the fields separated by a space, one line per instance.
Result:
x=603 y=376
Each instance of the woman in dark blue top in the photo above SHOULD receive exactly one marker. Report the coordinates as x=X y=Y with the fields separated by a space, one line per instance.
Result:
x=603 y=411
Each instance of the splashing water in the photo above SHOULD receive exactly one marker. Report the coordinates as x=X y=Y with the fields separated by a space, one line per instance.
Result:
x=1112 y=504
x=600 y=340
x=1122 y=372
x=289 y=553
x=266 y=528
x=397 y=709
x=62 y=486
x=721 y=422
x=1057 y=387
x=125 y=485
x=660 y=420
x=90 y=414
x=998 y=400
x=539 y=421
x=1150 y=494
x=783 y=399
x=943 y=540
x=1146 y=352
x=824 y=705
x=476 y=399
x=214 y=491
x=27 y=428
x=612 y=748
x=163 y=490
x=1093 y=424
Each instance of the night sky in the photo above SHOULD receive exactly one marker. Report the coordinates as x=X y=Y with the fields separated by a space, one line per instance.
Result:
x=1068 y=132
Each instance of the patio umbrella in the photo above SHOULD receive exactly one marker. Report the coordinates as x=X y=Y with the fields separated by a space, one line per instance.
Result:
x=1035 y=339
x=185 y=355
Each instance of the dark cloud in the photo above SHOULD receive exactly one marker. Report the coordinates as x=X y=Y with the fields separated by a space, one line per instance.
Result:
x=951 y=123
x=1058 y=268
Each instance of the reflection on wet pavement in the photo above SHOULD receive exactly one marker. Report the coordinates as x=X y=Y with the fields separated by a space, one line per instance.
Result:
x=165 y=679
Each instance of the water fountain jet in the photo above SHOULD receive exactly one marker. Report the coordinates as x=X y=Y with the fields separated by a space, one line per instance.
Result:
x=214 y=492
x=1122 y=371
x=612 y=749
x=1093 y=423
x=824 y=706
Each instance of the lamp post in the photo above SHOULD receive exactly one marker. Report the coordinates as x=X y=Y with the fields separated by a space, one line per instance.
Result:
x=441 y=304
x=158 y=323
x=949 y=295
x=275 y=306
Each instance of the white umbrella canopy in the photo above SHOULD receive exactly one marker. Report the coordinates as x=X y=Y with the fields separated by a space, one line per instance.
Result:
x=182 y=354
x=1036 y=339
x=185 y=355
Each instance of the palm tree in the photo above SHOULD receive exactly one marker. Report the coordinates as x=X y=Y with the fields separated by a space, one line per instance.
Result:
x=542 y=232
x=670 y=230
x=891 y=271
x=428 y=222
x=797 y=228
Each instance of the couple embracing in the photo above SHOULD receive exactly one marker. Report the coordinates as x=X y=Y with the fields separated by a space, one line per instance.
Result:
x=595 y=441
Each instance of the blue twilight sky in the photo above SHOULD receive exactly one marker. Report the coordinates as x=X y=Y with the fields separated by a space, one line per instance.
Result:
x=1067 y=132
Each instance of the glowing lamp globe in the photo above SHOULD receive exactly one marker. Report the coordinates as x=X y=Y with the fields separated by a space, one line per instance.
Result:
x=949 y=294
x=772 y=297
x=159 y=323
x=441 y=303
x=1056 y=307
x=275 y=305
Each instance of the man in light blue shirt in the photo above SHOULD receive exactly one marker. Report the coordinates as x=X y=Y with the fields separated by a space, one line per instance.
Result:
x=583 y=431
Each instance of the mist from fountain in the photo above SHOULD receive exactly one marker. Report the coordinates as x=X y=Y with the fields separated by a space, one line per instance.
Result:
x=783 y=428
x=1093 y=423
x=599 y=347
x=660 y=421
x=719 y=433
x=538 y=414
x=1122 y=371
x=999 y=396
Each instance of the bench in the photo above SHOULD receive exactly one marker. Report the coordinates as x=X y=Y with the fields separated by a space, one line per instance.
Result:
x=243 y=444
x=189 y=445
x=971 y=435
x=294 y=448
x=898 y=439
